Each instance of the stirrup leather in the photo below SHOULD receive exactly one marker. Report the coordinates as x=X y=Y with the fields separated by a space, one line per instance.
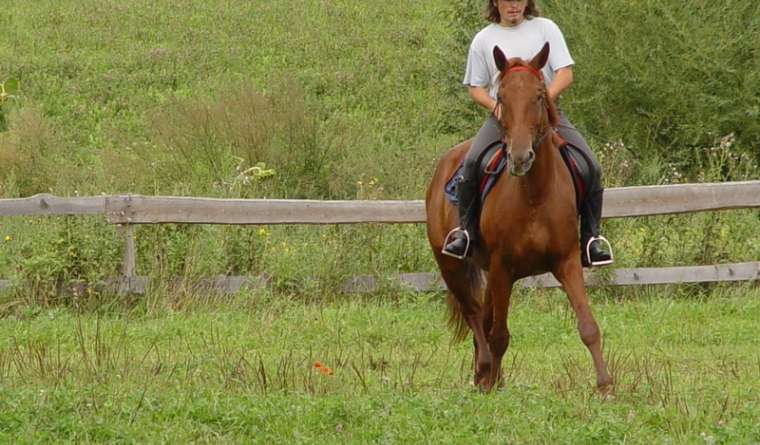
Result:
x=603 y=240
x=449 y=237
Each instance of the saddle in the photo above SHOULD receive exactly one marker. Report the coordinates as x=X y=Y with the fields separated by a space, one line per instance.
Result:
x=495 y=159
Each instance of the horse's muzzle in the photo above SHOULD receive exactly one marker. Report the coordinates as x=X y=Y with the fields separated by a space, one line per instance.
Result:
x=519 y=165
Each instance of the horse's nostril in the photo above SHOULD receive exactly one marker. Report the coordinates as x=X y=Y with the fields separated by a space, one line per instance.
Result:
x=531 y=156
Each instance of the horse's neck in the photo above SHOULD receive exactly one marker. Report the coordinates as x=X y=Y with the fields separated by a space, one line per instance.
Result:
x=541 y=179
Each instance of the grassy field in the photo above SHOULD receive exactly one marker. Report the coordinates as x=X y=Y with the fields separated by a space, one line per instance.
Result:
x=241 y=370
x=171 y=97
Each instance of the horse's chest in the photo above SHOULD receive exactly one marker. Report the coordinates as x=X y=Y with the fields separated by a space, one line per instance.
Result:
x=533 y=229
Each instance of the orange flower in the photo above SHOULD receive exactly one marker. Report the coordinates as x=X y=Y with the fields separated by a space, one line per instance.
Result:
x=322 y=368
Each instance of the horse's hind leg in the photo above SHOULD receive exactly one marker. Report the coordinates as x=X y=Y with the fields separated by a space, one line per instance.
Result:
x=571 y=276
x=464 y=303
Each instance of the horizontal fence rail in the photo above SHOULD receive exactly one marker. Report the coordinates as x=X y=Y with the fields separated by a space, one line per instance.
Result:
x=428 y=282
x=138 y=209
x=44 y=204
x=618 y=277
x=619 y=202
x=622 y=202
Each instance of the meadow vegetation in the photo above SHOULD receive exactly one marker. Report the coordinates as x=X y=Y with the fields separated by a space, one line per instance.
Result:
x=339 y=99
x=261 y=367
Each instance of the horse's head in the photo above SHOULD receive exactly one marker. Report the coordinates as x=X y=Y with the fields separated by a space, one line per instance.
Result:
x=526 y=113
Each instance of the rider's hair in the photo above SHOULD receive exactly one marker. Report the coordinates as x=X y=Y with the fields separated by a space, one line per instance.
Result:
x=491 y=11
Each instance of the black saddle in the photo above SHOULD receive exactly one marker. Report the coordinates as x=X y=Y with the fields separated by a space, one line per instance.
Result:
x=495 y=159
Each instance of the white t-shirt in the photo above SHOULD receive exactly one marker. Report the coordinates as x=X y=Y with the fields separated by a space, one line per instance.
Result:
x=524 y=41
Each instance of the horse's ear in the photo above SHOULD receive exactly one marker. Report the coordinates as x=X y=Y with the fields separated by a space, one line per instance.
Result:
x=539 y=60
x=499 y=58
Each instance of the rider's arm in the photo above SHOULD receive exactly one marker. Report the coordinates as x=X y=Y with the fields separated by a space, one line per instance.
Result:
x=563 y=77
x=481 y=97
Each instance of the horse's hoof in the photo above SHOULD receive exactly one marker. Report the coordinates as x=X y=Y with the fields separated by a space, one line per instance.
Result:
x=485 y=384
x=607 y=390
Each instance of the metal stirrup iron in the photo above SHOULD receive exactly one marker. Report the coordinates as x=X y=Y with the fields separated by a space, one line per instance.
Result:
x=604 y=240
x=449 y=236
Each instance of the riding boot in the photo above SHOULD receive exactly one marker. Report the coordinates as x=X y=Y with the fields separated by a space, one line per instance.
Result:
x=592 y=254
x=464 y=236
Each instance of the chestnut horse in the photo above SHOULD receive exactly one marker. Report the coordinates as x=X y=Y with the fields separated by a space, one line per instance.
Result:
x=528 y=225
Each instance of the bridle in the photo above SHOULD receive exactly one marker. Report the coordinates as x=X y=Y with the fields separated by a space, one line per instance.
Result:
x=545 y=129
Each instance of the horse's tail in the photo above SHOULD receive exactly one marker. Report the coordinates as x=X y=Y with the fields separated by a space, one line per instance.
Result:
x=476 y=279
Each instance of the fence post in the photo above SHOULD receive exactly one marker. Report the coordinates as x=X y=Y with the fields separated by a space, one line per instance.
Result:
x=128 y=259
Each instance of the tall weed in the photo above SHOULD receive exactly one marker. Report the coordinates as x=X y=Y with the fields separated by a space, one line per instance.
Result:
x=32 y=151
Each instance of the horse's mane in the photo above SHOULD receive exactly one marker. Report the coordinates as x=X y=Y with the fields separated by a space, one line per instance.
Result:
x=551 y=108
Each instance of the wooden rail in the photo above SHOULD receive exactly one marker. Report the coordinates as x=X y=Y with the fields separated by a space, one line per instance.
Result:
x=138 y=209
x=127 y=210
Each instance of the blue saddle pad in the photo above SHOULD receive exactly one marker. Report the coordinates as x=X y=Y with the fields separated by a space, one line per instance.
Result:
x=450 y=189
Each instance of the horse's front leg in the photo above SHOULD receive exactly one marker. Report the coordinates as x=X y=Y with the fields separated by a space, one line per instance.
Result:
x=570 y=274
x=483 y=362
x=498 y=293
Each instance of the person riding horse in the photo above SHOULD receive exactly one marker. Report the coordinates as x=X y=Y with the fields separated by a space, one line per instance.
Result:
x=519 y=31
x=537 y=234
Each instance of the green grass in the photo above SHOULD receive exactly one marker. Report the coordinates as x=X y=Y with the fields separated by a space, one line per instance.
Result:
x=104 y=85
x=241 y=371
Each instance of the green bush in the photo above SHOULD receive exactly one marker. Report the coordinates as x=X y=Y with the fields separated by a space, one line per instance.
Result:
x=665 y=76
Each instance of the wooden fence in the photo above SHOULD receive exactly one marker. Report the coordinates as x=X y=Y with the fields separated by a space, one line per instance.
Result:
x=128 y=210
